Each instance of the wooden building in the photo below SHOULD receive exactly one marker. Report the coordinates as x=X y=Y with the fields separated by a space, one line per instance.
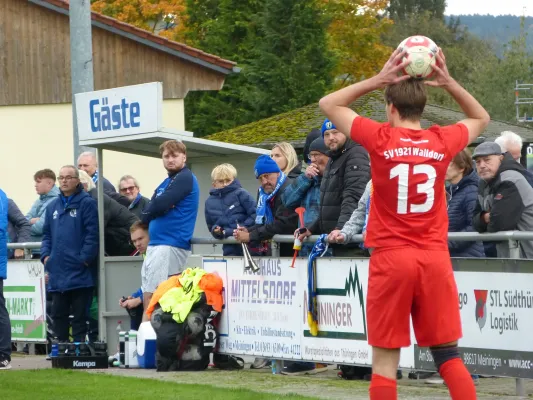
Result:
x=35 y=88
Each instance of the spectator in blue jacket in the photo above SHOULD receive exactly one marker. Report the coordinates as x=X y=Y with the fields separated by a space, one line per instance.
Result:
x=304 y=191
x=45 y=187
x=462 y=197
x=5 y=324
x=170 y=216
x=69 y=253
x=228 y=204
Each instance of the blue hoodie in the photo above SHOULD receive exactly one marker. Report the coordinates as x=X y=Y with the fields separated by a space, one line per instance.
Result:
x=172 y=211
x=70 y=240
x=3 y=235
x=224 y=207
x=37 y=210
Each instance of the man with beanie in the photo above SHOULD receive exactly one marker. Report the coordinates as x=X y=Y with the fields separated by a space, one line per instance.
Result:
x=343 y=183
x=272 y=217
x=304 y=191
x=5 y=324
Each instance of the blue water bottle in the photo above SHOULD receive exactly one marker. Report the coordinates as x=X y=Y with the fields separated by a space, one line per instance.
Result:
x=275 y=367
x=55 y=350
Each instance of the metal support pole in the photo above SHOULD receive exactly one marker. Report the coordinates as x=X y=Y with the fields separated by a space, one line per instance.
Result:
x=514 y=252
x=81 y=60
x=102 y=322
x=275 y=249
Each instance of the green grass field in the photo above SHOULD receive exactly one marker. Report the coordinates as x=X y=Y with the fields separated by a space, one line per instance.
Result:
x=73 y=385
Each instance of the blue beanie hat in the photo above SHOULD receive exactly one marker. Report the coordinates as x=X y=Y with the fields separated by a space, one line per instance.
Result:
x=326 y=126
x=265 y=165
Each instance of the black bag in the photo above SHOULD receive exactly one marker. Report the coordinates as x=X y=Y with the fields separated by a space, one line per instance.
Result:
x=227 y=362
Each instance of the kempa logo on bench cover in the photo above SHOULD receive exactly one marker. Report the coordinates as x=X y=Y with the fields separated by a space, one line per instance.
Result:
x=86 y=364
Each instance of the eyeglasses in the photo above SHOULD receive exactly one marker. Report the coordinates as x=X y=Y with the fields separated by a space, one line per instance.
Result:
x=128 y=189
x=66 y=178
x=315 y=155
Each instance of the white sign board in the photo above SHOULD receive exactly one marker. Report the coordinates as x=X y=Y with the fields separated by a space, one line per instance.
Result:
x=25 y=296
x=122 y=111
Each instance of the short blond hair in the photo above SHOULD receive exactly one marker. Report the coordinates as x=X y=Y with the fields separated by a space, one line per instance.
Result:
x=85 y=179
x=289 y=153
x=224 y=171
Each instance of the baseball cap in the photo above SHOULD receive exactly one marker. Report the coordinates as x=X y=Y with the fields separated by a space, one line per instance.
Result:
x=487 y=149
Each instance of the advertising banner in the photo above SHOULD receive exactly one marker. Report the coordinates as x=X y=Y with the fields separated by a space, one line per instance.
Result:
x=263 y=309
x=496 y=316
x=24 y=291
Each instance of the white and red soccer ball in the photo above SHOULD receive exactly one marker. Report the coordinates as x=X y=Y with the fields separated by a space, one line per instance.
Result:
x=422 y=52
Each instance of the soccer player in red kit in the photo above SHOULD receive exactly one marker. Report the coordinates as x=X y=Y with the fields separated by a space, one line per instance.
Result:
x=410 y=268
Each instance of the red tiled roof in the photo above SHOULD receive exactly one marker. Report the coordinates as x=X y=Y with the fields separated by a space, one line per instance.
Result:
x=191 y=51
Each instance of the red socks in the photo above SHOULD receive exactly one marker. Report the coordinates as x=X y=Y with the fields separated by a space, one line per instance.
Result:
x=382 y=388
x=458 y=380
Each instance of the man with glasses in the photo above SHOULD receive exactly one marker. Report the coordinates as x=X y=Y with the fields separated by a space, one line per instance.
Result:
x=129 y=187
x=69 y=253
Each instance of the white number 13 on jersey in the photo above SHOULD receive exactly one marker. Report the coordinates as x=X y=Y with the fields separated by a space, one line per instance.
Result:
x=402 y=172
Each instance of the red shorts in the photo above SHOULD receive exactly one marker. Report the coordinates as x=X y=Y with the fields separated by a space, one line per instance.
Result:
x=407 y=282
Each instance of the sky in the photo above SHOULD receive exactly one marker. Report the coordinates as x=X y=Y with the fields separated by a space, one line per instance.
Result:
x=493 y=7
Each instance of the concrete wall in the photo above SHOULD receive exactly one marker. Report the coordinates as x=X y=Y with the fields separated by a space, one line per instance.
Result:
x=37 y=137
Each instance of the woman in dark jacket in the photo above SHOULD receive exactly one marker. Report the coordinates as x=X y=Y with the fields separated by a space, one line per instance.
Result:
x=228 y=204
x=462 y=196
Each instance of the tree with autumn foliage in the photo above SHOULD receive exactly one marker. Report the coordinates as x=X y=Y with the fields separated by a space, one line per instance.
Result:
x=163 y=17
x=355 y=31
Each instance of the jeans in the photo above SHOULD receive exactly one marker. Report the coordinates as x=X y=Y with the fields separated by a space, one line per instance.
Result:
x=77 y=303
x=5 y=327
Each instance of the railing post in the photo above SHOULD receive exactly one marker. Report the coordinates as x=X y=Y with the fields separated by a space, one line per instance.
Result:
x=514 y=252
x=275 y=249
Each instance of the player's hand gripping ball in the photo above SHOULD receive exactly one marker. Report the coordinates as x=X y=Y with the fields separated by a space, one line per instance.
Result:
x=422 y=52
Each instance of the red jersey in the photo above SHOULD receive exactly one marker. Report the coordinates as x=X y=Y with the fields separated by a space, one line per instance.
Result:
x=408 y=173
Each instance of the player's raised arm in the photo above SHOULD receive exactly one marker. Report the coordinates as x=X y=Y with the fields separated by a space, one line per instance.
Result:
x=477 y=117
x=336 y=105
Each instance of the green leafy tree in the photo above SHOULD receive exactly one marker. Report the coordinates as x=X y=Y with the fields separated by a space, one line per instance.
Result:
x=225 y=28
x=292 y=63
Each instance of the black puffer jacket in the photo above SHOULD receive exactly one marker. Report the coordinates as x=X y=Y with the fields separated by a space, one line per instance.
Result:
x=343 y=184
x=285 y=223
x=117 y=221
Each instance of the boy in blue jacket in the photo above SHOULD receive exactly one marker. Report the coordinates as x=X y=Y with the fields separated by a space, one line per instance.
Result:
x=228 y=204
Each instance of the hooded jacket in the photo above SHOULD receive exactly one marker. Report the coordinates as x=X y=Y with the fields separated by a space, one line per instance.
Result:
x=343 y=184
x=508 y=198
x=117 y=222
x=70 y=240
x=462 y=198
x=38 y=209
x=224 y=207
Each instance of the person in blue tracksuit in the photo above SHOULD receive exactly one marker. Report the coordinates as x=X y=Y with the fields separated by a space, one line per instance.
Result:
x=69 y=251
x=228 y=204
x=170 y=216
x=5 y=324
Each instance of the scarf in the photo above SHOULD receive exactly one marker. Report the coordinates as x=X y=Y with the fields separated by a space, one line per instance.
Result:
x=135 y=201
x=264 y=214
x=319 y=249
x=95 y=177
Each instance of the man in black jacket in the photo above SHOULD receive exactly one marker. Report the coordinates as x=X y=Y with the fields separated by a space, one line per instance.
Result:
x=343 y=184
x=272 y=217
x=18 y=228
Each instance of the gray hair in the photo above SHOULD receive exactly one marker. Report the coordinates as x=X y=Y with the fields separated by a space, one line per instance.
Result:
x=75 y=169
x=88 y=154
x=128 y=177
x=508 y=138
x=85 y=179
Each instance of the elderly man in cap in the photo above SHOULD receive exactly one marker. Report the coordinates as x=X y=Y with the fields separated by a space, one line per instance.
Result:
x=272 y=217
x=505 y=198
